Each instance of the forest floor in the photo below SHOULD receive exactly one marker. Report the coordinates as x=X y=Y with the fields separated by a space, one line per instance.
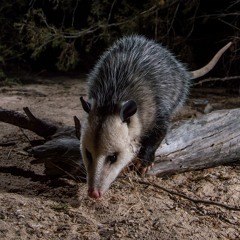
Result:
x=35 y=207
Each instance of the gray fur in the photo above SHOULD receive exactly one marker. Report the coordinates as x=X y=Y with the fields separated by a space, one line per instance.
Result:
x=138 y=69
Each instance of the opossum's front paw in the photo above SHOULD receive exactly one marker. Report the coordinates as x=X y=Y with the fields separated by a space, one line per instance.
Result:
x=142 y=168
x=145 y=160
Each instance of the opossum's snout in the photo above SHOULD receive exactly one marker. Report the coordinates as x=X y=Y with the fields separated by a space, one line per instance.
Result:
x=94 y=193
x=103 y=169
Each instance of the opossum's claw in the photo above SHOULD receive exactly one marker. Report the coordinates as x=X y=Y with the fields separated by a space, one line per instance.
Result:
x=142 y=169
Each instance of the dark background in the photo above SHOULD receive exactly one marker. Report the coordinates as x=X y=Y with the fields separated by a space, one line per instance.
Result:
x=67 y=37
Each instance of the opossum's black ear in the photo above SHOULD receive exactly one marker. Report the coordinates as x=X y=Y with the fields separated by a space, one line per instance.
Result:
x=86 y=105
x=128 y=109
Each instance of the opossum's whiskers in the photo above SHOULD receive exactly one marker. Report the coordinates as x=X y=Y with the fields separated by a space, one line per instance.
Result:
x=73 y=170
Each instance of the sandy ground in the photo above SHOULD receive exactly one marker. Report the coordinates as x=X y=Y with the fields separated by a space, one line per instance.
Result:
x=34 y=207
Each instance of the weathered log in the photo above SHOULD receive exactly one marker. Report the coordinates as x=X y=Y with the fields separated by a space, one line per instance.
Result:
x=59 y=151
x=40 y=127
x=207 y=141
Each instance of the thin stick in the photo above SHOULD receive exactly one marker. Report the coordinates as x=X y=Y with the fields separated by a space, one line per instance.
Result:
x=208 y=202
x=7 y=144
x=25 y=135
x=67 y=173
x=29 y=114
x=77 y=127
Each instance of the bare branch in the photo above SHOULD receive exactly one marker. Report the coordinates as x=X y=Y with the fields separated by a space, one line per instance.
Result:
x=219 y=15
x=77 y=127
x=40 y=127
x=229 y=24
x=110 y=12
x=173 y=19
x=74 y=11
x=103 y=26
x=217 y=79
x=29 y=114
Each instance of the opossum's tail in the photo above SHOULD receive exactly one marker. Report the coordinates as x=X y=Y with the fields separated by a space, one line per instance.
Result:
x=204 y=70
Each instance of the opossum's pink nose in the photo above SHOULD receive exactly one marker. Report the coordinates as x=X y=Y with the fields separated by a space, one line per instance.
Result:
x=94 y=194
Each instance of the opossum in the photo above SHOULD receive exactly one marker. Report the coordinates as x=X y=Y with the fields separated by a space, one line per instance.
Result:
x=133 y=90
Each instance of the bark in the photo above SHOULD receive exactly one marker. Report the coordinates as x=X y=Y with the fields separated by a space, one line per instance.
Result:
x=59 y=151
x=40 y=127
x=208 y=141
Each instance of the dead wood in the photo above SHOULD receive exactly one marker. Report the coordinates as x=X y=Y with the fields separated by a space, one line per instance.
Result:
x=208 y=141
x=59 y=151
x=40 y=127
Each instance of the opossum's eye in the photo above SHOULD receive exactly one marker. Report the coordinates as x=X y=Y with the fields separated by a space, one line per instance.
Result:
x=111 y=158
x=88 y=155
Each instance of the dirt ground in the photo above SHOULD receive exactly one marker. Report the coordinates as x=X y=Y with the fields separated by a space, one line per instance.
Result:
x=34 y=207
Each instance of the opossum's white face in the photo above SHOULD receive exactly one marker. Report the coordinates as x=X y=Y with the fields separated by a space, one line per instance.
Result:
x=107 y=146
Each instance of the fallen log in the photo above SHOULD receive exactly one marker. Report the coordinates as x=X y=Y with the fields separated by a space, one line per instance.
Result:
x=210 y=140
x=207 y=141
x=59 y=151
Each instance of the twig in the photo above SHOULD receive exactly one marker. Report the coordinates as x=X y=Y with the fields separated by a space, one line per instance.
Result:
x=103 y=26
x=7 y=144
x=173 y=19
x=25 y=135
x=29 y=114
x=216 y=79
x=229 y=24
x=156 y=25
x=44 y=19
x=74 y=11
x=233 y=4
x=67 y=173
x=77 y=127
x=8 y=156
x=110 y=13
x=217 y=15
x=208 y=202
x=193 y=22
